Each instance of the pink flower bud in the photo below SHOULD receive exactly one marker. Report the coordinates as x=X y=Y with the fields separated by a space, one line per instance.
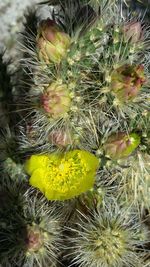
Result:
x=126 y=81
x=52 y=43
x=56 y=100
x=133 y=31
x=34 y=239
x=60 y=138
x=121 y=145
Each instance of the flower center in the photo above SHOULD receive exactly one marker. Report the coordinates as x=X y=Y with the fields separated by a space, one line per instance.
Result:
x=64 y=174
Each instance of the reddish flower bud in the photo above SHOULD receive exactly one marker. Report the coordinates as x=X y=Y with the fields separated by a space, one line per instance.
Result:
x=126 y=81
x=52 y=43
x=60 y=138
x=133 y=32
x=121 y=145
x=56 y=100
x=34 y=239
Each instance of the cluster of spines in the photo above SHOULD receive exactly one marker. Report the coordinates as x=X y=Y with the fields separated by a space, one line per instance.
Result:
x=31 y=228
x=109 y=235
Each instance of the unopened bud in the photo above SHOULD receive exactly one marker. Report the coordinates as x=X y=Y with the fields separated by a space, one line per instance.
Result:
x=56 y=100
x=34 y=239
x=121 y=145
x=60 y=138
x=52 y=43
x=126 y=81
x=133 y=31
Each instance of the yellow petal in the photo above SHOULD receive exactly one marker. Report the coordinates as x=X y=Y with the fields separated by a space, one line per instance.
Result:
x=36 y=161
x=38 y=179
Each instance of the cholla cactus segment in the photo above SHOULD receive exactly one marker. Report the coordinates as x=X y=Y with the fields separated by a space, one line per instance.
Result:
x=56 y=100
x=126 y=82
x=30 y=230
x=121 y=145
x=52 y=43
x=44 y=234
x=107 y=237
x=62 y=176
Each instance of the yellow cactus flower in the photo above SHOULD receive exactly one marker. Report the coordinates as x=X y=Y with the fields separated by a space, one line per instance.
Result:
x=62 y=176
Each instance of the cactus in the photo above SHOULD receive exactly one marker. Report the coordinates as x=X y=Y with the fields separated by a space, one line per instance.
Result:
x=106 y=237
x=75 y=138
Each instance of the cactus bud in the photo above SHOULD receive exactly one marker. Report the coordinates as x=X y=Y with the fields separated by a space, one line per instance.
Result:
x=133 y=32
x=56 y=100
x=52 y=43
x=126 y=81
x=35 y=238
x=121 y=145
x=60 y=138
